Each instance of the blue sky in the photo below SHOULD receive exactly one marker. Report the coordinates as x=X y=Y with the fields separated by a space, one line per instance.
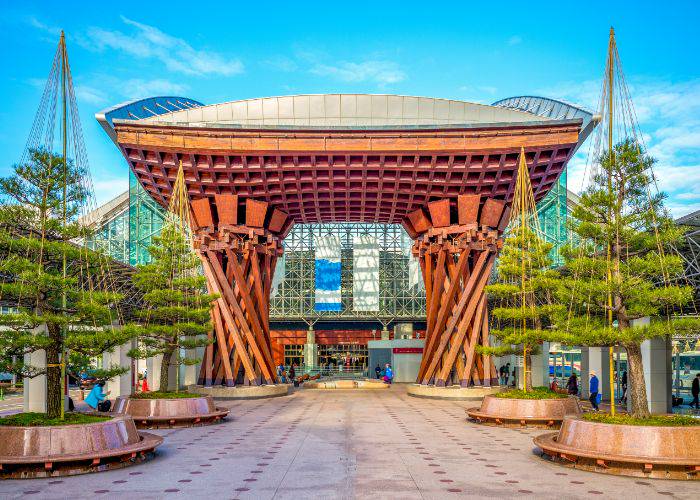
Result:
x=215 y=52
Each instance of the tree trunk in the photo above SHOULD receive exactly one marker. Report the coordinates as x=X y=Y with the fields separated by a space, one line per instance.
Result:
x=54 y=387
x=637 y=389
x=165 y=371
x=528 y=374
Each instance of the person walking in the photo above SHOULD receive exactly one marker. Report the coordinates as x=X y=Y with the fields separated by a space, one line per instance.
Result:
x=97 y=399
x=593 y=389
x=506 y=374
x=695 y=391
x=388 y=374
x=572 y=385
x=378 y=371
x=623 y=382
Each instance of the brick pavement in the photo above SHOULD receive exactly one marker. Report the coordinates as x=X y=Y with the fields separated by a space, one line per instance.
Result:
x=347 y=444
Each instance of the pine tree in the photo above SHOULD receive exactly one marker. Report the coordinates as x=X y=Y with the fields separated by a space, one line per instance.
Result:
x=177 y=312
x=524 y=297
x=623 y=264
x=46 y=276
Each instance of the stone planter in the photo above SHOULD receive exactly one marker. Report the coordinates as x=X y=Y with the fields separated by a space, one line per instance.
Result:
x=451 y=392
x=180 y=412
x=630 y=450
x=27 y=452
x=524 y=412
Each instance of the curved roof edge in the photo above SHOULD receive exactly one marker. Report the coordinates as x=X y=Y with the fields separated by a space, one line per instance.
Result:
x=553 y=108
x=142 y=108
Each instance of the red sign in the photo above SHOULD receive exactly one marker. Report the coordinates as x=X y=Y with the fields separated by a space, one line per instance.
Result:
x=408 y=350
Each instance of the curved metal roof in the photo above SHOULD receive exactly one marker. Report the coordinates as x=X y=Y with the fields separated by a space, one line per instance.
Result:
x=342 y=110
x=555 y=109
x=142 y=108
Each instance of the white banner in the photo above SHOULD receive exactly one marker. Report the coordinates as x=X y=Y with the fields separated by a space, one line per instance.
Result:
x=278 y=277
x=365 y=273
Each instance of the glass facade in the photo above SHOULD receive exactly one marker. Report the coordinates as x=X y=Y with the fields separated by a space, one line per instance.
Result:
x=145 y=221
x=295 y=298
x=552 y=213
x=112 y=237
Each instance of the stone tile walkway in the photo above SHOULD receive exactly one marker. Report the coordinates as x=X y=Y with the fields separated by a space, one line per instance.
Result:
x=347 y=444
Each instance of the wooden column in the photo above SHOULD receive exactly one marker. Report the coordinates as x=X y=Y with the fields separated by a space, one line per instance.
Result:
x=238 y=257
x=457 y=250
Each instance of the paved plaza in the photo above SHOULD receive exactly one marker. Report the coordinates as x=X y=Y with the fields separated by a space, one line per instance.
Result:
x=347 y=444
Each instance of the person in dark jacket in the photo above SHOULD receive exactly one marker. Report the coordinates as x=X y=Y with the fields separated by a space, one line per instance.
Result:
x=378 y=371
x=572 y=385
x=695 y=391
x=593 y=389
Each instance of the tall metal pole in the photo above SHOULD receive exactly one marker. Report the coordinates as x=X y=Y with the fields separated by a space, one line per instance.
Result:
x=64 y=127
x=611 y=76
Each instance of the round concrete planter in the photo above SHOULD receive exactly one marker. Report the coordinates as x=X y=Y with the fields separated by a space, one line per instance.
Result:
x=243 y=392
x=160 y=413
x=630 y=450
x=453 y=392
x=524 y=412
x=368 y=384
x=27 y=452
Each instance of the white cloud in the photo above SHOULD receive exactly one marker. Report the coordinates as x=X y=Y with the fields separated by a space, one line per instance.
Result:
x=51 y=30
x=380 y=72
x=515 y=40
x=148 y=42
x=137 y=88
x=90 y=95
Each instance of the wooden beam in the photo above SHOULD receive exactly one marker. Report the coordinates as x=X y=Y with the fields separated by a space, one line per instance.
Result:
x=468 y=208
x=491 y=213
x=255 y=212
x=439 y=212
x=202 y=212
x=227 y=208
x=419 y=221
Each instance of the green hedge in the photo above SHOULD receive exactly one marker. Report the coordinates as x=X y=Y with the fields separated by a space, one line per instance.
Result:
x=655 y=420
x=164 y=395
x=40 y=419
x=534 y=393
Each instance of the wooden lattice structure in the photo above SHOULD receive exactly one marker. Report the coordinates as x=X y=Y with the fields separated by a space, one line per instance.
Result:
x=239 y=261
x=449 y=186
x=456 y=256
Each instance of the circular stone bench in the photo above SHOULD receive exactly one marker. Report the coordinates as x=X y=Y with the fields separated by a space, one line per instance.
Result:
x=629 y=450
x=165 y=413
x=524 y=412
x=453 y=392
x=243 y=392
x=347 y=384
x=30 y=452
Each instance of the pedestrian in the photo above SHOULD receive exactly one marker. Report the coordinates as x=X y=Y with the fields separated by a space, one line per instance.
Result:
x=280 y=372
x=97 y=399
x=292 y=372
x=513 y=377
x=388 y=374
x=695 y=391
x=623 y=383
x=506 y=374
x=593 y=389
x=572 y=385
x=378 y=371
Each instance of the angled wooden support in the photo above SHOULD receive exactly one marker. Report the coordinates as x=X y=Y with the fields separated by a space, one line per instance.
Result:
x=456 y=262
x=238 y=262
